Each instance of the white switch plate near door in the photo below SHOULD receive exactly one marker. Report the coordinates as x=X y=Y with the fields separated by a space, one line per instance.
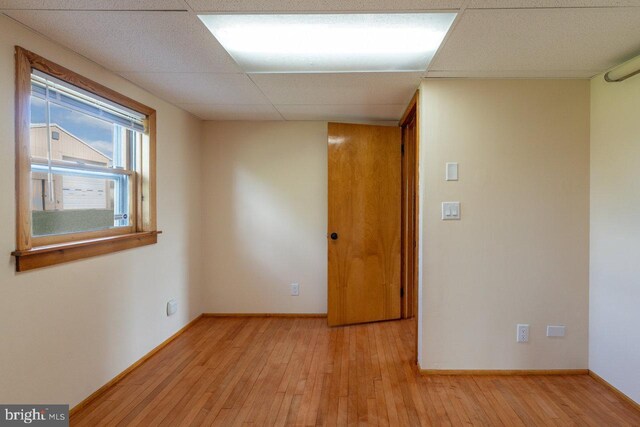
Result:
x=450 y=210
x=451 y=173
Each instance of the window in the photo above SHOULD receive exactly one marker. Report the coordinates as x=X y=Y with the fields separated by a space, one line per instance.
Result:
x=85 y=166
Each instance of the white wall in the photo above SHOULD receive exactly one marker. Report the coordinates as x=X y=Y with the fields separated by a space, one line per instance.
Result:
x=67 y=330
x=614 y=334
x=265 y=213
x=520 y=254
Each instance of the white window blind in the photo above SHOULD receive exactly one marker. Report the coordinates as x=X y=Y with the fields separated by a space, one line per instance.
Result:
x=53 y=90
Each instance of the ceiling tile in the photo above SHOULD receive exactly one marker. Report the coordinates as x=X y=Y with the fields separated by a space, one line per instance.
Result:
x=529 y=4
x=342 y=112
x=321 y=5
x=200 y=88
x=94 y=4
x=338 y=88
x=540 y=39
x=134 y=41
x=232 y=112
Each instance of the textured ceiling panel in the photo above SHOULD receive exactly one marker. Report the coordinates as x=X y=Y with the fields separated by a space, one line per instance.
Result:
x=321 y=5
x=173 y=55
x=94 y=4
x=200 y=88
x=134 y=41
x=232 y=112
x=540 y=39
x=342 y=112
x=499 y=4
x=331 y=89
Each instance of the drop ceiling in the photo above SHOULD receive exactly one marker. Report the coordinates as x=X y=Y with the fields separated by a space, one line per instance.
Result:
x=178 y=59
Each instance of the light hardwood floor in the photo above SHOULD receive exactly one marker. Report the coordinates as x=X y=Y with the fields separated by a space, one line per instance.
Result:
x=288 y=371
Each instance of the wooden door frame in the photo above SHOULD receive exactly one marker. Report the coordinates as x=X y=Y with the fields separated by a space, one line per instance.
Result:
x=410 y=214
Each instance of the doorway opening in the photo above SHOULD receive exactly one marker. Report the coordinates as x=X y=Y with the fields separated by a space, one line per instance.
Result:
x=373 y=221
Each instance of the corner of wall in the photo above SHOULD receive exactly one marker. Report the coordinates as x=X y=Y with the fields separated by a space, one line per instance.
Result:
x=614 y=339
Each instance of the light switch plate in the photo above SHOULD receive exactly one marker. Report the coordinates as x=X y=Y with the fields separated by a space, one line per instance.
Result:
x=450 y=211
x=451 y=173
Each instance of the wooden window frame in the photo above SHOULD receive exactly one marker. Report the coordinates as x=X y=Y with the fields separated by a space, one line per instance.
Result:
x=34 y=252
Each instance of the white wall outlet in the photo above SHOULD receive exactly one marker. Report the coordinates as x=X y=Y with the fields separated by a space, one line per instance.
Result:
x=172 y=307
x=295 y=289
x=450 y=210
x=555 y=330
x=523 y=333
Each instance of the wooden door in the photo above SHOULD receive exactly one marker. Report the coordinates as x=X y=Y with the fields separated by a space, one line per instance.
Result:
x=364 y=223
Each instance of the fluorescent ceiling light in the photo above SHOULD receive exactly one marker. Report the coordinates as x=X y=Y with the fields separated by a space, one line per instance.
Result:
x=330 y=43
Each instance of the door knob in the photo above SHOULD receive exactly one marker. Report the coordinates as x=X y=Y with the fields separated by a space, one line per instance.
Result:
x=334 y=236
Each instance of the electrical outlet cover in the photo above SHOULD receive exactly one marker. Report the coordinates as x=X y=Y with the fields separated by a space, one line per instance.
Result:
x=295 y=289
x=172 y=307
x=522 y=333
x=555 y=330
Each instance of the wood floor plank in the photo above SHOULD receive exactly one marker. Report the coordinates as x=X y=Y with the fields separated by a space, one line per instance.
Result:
x=572 y=407
x=470 y=403
x=248 y=360
x=265 y=380
x=297 y=371
x=330 y=384
x=408 y=406
x=381 y=405
x=216 y=370
x=430 y=384
x=389 y=398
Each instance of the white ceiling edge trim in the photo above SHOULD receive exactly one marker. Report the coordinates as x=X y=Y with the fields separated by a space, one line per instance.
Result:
x=506 y=78
x=513 y=74
x=393 y=123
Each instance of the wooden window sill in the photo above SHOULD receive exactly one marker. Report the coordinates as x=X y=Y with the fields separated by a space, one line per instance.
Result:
x=44 y=256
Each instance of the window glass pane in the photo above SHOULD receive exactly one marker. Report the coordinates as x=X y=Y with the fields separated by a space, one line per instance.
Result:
x=82 y=137
x=79 y=163
x=77 y=137
x=76 y=201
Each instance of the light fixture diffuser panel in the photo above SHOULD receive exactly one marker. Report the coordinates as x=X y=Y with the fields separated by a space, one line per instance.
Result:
x=297 y=43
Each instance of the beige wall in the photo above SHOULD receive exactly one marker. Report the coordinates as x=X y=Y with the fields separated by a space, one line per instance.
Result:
x=520 y=253
x=265 y=212
x=68 y=329
x=614 y=336
x=259 y=190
